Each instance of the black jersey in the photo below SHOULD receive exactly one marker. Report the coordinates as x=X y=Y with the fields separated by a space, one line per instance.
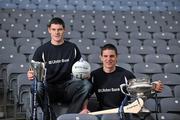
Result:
x=59 y=60
x=107 y=86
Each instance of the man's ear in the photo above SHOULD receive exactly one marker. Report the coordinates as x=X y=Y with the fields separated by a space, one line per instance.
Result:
x=100 y=57
x=48 y=29
x=117 y=58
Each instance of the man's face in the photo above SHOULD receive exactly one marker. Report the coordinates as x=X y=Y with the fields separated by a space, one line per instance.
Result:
x=57 y=33
x=109 y=59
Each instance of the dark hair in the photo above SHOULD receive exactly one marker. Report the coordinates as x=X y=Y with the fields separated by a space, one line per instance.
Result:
x=56 y=20
x=109 y=47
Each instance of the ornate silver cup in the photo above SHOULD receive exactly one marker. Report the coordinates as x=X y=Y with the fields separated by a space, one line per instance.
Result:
x=39 y=70
x=40 y=75
x=138 y=88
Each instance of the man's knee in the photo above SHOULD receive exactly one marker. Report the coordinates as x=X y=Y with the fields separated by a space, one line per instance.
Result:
x=87 y=86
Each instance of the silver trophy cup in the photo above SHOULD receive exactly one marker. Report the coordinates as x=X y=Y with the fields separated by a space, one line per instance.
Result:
x=39 y=70
x=138 y=88
x=40 y=75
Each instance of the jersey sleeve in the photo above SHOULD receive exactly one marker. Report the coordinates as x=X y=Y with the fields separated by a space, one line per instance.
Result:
x=38 y=55
x=77 y=53
x=130 y=75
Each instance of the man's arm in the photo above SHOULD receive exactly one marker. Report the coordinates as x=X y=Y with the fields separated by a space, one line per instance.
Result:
x=85 y=108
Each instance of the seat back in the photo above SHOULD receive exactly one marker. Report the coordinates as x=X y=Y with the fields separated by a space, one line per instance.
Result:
x=77 y=117
x=147 y=68
x=170 y=105
x=176 y=91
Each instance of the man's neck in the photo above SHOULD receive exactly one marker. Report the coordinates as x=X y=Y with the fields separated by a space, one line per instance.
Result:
x=57 y=43
x=109 y=70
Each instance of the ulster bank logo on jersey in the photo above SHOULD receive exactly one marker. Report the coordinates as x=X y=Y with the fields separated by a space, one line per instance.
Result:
x=58 y=61
x=108 y=90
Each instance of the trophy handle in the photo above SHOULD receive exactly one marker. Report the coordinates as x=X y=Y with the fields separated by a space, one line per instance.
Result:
x=122 y=86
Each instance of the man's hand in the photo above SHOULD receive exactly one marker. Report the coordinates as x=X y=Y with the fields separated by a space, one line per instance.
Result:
x=30 y=74
x=85 y=108
x=158 y=86
x=84 y=111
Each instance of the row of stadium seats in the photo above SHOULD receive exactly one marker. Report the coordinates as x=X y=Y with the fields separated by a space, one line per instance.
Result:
x=155 y=43
x=40 y=34
x=102 y=2
x=159 y=116
x=92 y=14
x=141 y=32
x=125 y=48
x=137 y=5
x=34 y=20
x=33 y=13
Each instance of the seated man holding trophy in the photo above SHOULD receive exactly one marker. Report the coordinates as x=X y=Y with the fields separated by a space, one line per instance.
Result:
x=51 y=72
x=109 y=84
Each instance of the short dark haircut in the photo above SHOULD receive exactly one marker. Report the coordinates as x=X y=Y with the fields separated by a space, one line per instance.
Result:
x=109 y=47
x=56 y=20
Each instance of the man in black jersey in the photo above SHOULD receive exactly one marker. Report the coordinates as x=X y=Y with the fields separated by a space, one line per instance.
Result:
x=107 y=79
x=59 y=56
